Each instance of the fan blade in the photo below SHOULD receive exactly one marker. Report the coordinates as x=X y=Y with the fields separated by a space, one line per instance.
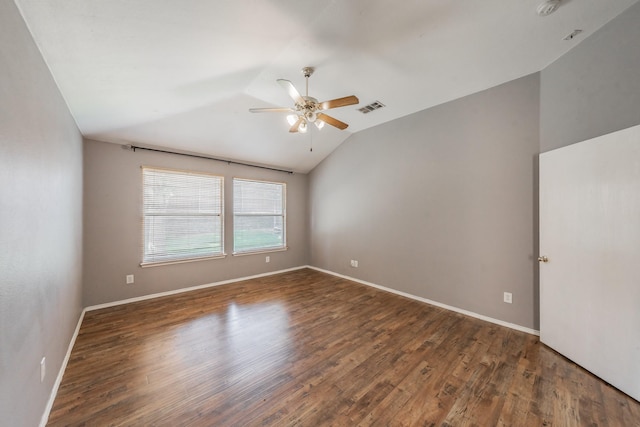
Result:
x=296 y=125
x=331 y=121
x=339 y=102
x=271 y=110
x=291 y=90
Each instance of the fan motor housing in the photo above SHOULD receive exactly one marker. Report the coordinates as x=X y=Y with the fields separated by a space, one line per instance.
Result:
x=309 y=107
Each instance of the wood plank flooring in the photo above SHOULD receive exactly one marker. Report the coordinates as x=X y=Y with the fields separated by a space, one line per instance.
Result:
x=308 y=349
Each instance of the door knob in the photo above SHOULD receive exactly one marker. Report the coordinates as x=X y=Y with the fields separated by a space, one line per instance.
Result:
x=543 y=259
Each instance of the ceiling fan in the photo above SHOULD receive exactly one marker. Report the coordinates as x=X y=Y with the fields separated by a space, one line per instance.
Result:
x=307 y=109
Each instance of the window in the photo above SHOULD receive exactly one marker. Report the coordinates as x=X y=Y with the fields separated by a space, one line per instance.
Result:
x=258 y=216
x=182 y=215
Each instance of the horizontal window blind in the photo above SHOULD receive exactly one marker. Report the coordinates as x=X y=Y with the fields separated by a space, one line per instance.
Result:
x=258 y=215
x=182 y=215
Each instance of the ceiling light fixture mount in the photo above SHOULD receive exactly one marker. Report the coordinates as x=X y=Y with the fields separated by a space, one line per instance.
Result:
x=307 y=71
x=548 y=7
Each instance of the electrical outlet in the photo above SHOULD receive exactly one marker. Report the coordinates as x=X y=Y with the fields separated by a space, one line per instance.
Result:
x=267 y=259
x=43 y=368
x=129 y=279
x=508 y=297
x=354 y=263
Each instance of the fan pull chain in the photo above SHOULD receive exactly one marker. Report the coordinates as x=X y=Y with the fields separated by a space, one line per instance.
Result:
x=310 y=139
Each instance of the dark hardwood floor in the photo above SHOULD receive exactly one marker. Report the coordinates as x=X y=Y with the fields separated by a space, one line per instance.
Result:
x=308 y=349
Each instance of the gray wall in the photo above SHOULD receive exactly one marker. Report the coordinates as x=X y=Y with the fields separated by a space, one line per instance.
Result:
x=40 y=224
x=439 y=204
x=594 y=89
x=443 y=204
x=113 y=233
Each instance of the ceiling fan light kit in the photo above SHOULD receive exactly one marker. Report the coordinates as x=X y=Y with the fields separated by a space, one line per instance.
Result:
x=307 y=109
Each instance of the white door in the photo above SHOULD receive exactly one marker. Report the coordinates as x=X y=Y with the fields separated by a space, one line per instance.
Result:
x=590 y=233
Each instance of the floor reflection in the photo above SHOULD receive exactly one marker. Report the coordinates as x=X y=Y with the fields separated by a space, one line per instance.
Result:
x=242 y=343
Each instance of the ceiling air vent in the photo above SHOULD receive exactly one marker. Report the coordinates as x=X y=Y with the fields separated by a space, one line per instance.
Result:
x=371 y=107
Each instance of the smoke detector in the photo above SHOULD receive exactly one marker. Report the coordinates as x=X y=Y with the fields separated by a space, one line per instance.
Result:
x=572 y=35
x=548 y=7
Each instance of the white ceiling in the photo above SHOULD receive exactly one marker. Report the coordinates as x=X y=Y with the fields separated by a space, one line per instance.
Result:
x=183 y=73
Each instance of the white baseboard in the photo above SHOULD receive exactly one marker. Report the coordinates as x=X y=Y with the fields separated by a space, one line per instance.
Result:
x=63 y=367
x=192 y=288
x=437 y=304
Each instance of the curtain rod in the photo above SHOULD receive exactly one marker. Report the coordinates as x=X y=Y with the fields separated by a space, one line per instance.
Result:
x=229 y=162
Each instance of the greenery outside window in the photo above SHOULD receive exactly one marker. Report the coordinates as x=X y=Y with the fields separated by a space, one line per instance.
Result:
x=182 y=216
x=259 y=219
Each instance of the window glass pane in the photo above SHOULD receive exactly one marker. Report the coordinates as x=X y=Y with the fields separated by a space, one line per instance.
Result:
x=182 y=215
x=181 y=237
x=259 y=215
x=262 y=232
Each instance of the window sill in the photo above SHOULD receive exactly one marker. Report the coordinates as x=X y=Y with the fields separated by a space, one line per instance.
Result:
x=180 y=261
x=260 y=251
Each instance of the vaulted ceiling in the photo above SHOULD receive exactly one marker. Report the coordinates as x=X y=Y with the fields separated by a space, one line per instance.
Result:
x=183 y=74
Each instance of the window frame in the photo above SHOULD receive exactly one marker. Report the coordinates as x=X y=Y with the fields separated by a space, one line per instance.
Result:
x=283 y=214
x=221 y=215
